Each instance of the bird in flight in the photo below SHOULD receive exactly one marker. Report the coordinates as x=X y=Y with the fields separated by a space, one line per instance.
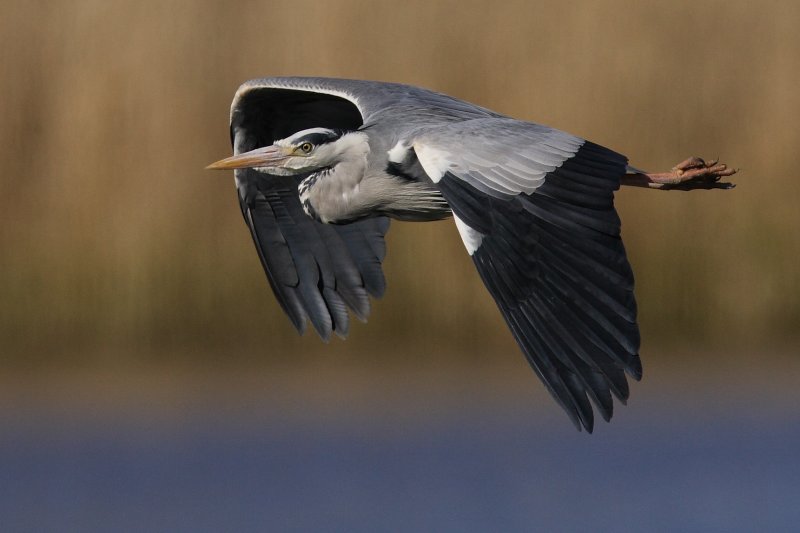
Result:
x=321 y=165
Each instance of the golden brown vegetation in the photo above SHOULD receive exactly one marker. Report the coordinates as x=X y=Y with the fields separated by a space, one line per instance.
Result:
x=113 y=236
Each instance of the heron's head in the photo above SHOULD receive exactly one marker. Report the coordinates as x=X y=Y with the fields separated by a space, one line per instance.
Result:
x=302 y=152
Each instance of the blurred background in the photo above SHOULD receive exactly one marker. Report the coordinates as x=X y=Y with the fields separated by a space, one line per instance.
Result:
x=149 y=380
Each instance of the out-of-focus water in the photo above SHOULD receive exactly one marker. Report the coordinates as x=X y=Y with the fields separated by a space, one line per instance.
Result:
x=469 y=466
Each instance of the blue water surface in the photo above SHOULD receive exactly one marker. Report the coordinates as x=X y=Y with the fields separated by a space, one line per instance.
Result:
x=469 y=468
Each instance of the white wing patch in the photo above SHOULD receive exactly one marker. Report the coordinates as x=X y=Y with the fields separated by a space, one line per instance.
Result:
x=471 y=237
x=498 y=156
x=435 y=162
x=398 y=153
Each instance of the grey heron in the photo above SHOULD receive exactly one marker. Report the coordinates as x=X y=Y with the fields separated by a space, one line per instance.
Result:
x=321 y=165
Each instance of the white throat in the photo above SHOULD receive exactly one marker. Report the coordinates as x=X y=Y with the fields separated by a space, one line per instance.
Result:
x=330 y=193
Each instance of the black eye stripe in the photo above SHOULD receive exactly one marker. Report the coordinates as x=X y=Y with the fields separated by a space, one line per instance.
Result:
x=318 y=138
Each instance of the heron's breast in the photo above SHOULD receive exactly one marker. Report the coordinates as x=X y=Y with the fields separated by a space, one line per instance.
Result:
x=330 y=200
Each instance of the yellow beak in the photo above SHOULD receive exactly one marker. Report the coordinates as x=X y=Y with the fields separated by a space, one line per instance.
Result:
x=269 y=156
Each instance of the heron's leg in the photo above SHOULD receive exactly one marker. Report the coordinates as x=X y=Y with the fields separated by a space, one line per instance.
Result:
x=693 y=173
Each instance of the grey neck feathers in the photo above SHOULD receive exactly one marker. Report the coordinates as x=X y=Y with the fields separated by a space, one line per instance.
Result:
x=328 y=194
x=347 y=190
x=413 y=200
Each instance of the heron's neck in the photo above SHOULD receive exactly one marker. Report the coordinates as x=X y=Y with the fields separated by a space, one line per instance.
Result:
x=330 y=193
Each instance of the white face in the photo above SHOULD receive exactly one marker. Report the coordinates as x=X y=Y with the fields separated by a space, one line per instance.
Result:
x=305 y=151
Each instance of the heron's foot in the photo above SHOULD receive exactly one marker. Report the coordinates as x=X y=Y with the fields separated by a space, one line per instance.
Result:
x=693 y=173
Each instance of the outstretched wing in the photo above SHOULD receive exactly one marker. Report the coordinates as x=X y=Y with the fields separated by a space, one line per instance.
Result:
x=317 y=271
x=535 y=209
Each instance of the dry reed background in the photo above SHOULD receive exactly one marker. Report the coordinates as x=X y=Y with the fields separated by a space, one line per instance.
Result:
x=117 y=245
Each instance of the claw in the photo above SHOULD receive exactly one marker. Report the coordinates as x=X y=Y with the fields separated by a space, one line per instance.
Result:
x=688 y=164
x=692 y=173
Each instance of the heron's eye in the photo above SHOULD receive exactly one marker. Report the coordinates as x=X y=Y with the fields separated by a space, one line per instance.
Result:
x=306 y=147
